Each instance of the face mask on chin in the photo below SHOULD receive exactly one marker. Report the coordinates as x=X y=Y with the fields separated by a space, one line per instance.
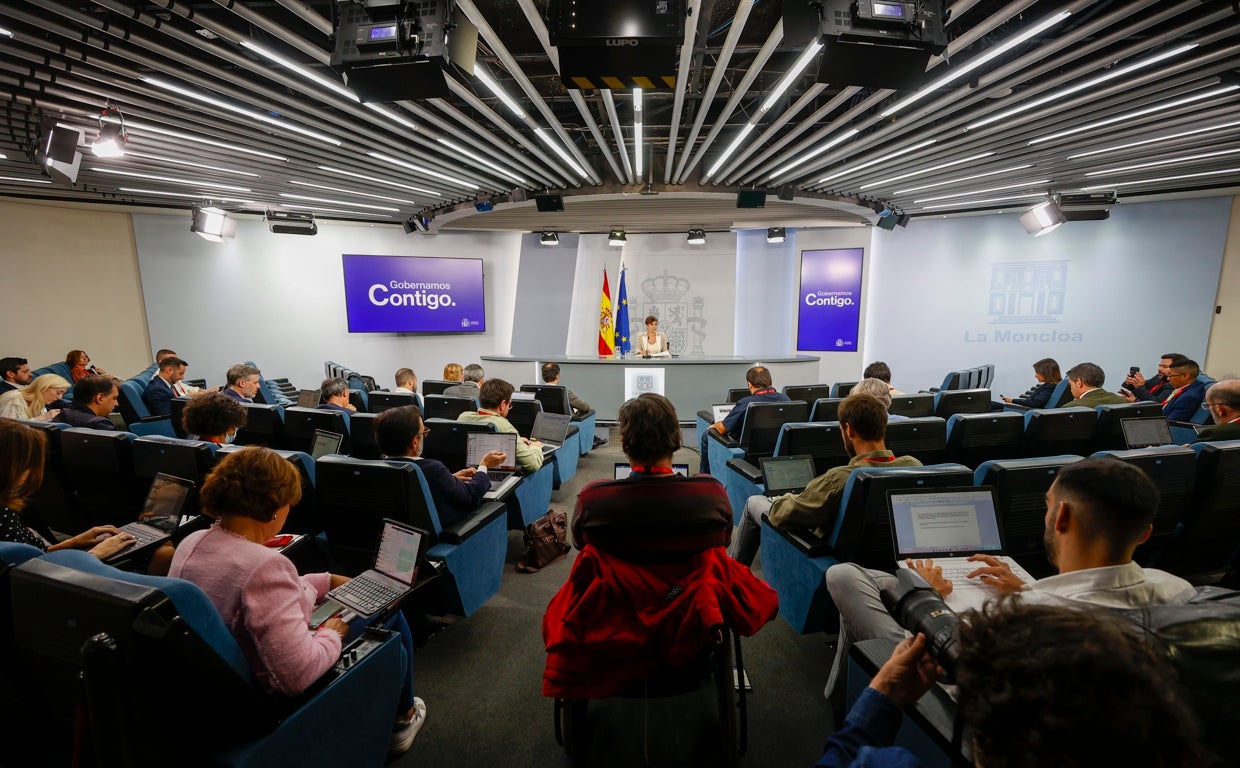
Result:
x=230 y=437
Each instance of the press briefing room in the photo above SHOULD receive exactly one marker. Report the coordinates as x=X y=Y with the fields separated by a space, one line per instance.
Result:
x=545 y=382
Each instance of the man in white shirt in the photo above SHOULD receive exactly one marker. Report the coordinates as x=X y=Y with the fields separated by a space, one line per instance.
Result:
x=1098 y=511
x=406 y=381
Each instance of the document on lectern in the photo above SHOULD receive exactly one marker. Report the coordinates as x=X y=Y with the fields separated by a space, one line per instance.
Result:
x=642 y=379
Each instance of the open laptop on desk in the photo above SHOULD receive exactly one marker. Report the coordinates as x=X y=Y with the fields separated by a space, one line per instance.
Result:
x=948 y=525
x=550 y=429
x=391 y=579
x=325 y=443
x=308 y=398
x=719 y=410
x=162 y=511
x=504 y=477
x=786 y=474
x=1146 y=432
x=624 y=469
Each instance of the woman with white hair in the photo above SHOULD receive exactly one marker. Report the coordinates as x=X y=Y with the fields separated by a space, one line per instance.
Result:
x=879 y=389
x=31 y=401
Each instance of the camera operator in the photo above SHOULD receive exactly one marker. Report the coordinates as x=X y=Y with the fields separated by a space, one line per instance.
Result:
x=1037 y=685
x=1098 y=511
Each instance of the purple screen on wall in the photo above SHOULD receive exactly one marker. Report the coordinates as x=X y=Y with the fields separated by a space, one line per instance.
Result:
x=830 y=300
x=411 y=294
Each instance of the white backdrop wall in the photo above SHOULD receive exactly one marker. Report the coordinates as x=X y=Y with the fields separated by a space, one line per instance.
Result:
x=955 y=293
x=279 y=299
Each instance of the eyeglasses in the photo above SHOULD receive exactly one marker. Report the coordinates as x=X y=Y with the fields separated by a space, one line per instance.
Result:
x=424 y=432
x=1207 y=406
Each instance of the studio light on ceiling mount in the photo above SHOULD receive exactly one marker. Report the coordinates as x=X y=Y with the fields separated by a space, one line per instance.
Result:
x=615 y=237
x=291 y=222
x=775 y=235
x=1043 y=218
x=696 y=237
x=549 y=239
x=110 y=141
x=212 y=224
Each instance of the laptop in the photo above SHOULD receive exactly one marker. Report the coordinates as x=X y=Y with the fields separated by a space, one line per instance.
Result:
x=504 y=477
x=391 y=579
x=162 y=511
x=719 y=410
x=623 y=470
x=1146 y=433
x=308 y=398
x=948 y=525
x=786 y=474
x=550 y=429
x=522 y=396
x=325 y=443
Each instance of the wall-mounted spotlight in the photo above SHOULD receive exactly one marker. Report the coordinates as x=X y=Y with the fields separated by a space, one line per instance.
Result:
x=1042 y=218
x=418 y=222
x=212 y=224
x=775 y=235
x=549 y=239
x=110 y=141
x=616 y=237
x=696 y=237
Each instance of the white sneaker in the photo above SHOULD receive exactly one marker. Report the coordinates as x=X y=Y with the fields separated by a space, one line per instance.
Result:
x=403 y=731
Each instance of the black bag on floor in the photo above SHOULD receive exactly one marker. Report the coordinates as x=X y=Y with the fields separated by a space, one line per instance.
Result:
x=546 y=541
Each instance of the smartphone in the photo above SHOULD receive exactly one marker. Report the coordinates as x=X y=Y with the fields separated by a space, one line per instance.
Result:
x=1133 y=371
x=280 y=540
x=327 y=609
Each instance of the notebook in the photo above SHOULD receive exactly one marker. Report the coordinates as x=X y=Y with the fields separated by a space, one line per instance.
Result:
x=504 y=477
x=161 y=514
x=325 y=443
x=308 y=398
x=623 y=470
x=1146 y=433
x=391 y=579
x=786 y=474
x=719 y=410
x=948 y=525
x=550 y=429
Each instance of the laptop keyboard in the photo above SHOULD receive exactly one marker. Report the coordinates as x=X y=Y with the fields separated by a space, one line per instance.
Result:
x=500 y=475
x=145 y=534
x=369 y=596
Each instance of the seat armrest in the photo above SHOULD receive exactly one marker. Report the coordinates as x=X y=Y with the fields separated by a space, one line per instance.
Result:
x=166 y=417
x=1184 y=424
x=1017 y=408
x=707 y=415
x=582 y=416
x=746 y=470
x=805 y=541
x=729 y=442
x=479 y=519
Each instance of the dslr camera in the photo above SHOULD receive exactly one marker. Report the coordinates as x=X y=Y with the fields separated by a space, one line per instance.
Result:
x=917 y=607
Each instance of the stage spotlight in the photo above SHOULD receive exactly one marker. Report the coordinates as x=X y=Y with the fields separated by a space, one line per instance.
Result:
x=903 y=219
x=110 y=142
x=775 y=235
x=696 y=237
x=418 y=222
x=616 y=237
x=1043 y=218
x=549 y=239
x=212 y=224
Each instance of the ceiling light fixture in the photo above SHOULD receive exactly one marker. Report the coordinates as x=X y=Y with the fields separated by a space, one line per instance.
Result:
x=354 y=192
x=212 y=224
x=1028 y=105
x=736 y=142
x=696 y=237
x=494 y=88
x=5 y=32
x=986 y=201
x=1168 y=161
x=422 y=169
x=555 y=146
x=298 y=69
x=1155 y=140
x=25 y=180
x=1159 y=179
x=637 y=131
x=977 y=61
x=1018 y=185
x=395 y=117
x=170 y=179
x=110 y=141
x=291 y=222
x=377 y=180
x=793 y=73
x=924 y=171
x=339 y=202
x=191 y=162
x=549 y=239
x=507 y=174
x=1042 y=219
x=192 y=195
x=255 y=116
x=805 y=159
x=616 y=237
x=775 y=235
x=1136 y=113
x=131 y=126
x=963 y=178
x=877 y=160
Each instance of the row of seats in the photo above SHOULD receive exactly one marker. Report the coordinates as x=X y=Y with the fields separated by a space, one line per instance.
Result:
x=1196 y=529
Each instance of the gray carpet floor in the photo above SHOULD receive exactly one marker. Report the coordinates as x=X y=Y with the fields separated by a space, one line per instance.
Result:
x=481 y=680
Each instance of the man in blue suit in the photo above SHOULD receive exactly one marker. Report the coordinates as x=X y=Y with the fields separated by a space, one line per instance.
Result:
x=160 y=389
x=1185 y=392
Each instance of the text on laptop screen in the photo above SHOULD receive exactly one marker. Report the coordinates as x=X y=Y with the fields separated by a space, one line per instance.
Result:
x=1143 y=433
x=794 y=472
x=479 y=444
x=928 y=524
x=325 y=443
x=550 y=427
x=165 y=501
x=719 y=411
x=398 y=553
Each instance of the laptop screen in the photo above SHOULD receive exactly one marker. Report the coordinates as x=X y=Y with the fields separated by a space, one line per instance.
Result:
x=522 y=396
x=787 y=474
x=623 y=470
x=165 y=502
x=719 y=410
x=944 y=522
x=479 y=444
x=398 y=551
x=1144 y=433
x=325 y=443
x=308 y=398
x=550 y=427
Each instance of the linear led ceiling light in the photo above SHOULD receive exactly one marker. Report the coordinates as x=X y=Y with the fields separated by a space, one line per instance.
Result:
x=1018 y=185
x=775 y=235
x=924 y=171
x=1043 y=218
x=298 y=69
x=507 y=174
x=422 y=169
x=616 y=237
x=503 y=96
x=964 y=178
x=5 y=32
x=255 y=116
x=212 y=224
x=189 y=162
x=696 y=237
x=1159 y=179
x=1168 y=161
x=637 y=131
x=1055 y=96
x=1155 y=140
x=805 y=159
x=339 y=202
x=25 y=180
x=352 y=192
x=376 y=180
x=170 y=179
x=877 y=160
x=723 y=158
x=196 y=196
x=555 y=146
x=977 y=61
x=986 y=201
x=148 y=128
x=1136 y=113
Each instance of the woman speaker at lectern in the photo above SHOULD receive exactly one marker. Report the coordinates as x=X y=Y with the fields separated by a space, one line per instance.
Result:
x=651 y=342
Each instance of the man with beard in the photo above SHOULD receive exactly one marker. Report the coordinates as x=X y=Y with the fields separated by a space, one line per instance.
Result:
x=1098 y=511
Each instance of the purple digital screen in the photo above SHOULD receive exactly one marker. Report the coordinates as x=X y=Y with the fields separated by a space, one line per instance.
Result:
x=829 y=300
x=411 y=294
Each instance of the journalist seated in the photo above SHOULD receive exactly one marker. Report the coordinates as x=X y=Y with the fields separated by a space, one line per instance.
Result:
x=264 y=603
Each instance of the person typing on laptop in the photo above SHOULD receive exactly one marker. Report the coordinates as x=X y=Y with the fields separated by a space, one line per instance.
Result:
x=863 y=427
x=262 y=600
x=401 y=432
x=1098 y=511
x=495 y=400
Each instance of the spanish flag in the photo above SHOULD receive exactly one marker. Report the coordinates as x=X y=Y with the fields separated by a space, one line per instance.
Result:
x=606 y=332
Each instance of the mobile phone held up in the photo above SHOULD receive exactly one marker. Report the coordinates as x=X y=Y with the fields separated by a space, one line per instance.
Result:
x=1133 y=371
x=281 y=540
